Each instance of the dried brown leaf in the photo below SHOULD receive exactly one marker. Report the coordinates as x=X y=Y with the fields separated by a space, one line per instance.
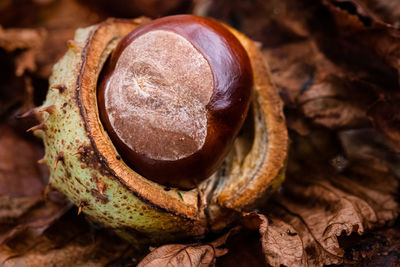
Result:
x=186 y=255
x=244 y=247
x=68 y=242
x=311 y=82
x=272 y=22
x=329 y=103
x=12 y=208
x=29 y=41
x=367 y=49
x=61 y=19
x=56 y=22
x=280 y=242
x=366 y=147
x=13 y=39
x=33 y=222
x=380 y=248
x=387 y=11
x=23 y=209
x=322 y=202
x=20 y=175
x=182 y=255
x=385 y=115
x=375 y=48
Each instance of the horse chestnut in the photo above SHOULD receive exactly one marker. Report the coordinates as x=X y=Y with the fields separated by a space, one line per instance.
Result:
x=173 y=96
x=86 y=165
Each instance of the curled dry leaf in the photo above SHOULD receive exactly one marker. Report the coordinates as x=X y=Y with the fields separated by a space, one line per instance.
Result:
x=244 y=249
x=14 y=91
x=181 y=255
x=60 y=19
x=387 y=11
x=22 y=181
x=17 y=38
x=377 y=46
x=186 y=254
x=280 y=242
x=70 y=241
x=381 y=248
x=12 y=208
x=385 y=115
x=366 y=49
x=28 y=41
x=20 y=175
x=367 y=147
x=56 y=21
x=33 y=222
x=322 y=202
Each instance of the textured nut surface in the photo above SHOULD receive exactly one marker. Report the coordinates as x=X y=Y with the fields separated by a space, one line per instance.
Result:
x=157 y=96
x=173 y=97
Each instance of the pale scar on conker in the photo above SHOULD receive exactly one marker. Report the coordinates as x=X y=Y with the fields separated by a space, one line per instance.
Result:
x=173 y=96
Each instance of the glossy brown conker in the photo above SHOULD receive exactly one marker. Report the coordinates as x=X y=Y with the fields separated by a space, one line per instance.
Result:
x=173 y=97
